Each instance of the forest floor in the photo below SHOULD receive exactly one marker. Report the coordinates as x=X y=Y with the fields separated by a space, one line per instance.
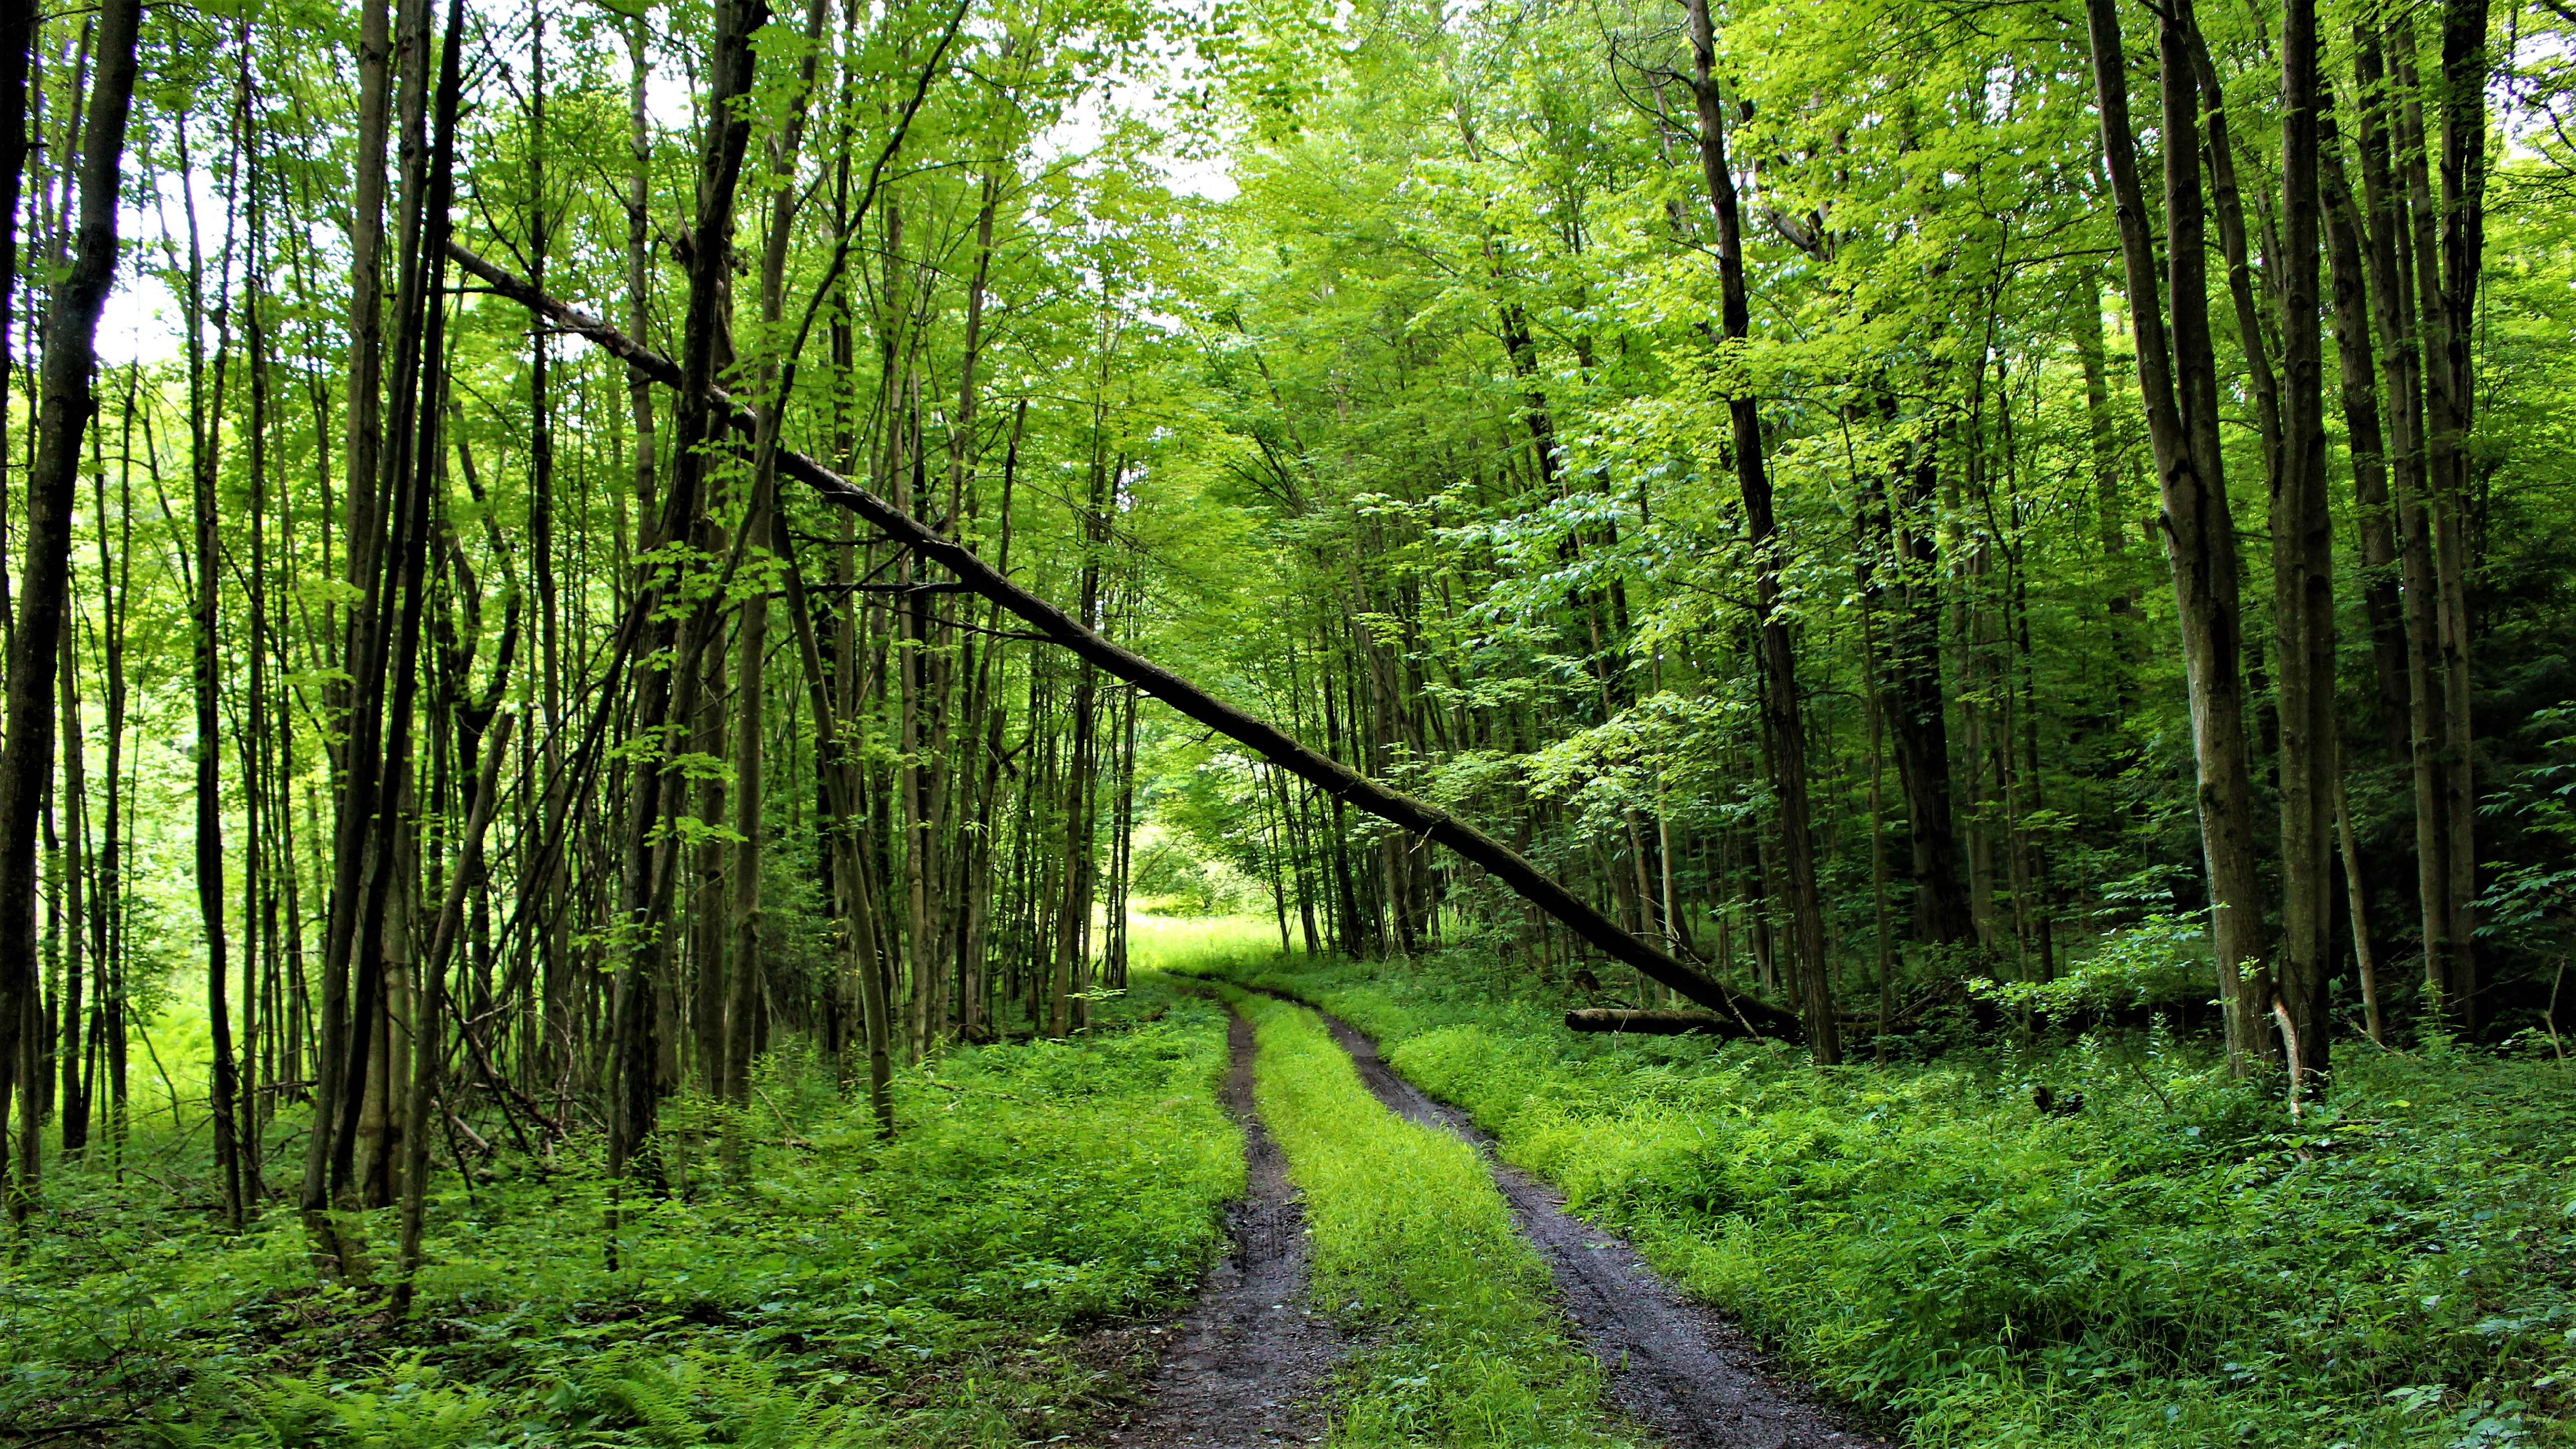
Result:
x=1195 y=1228
x=991 y=1277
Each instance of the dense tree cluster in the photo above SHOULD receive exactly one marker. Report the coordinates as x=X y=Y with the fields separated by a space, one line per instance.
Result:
x=1999 y=563
x=1853 y=492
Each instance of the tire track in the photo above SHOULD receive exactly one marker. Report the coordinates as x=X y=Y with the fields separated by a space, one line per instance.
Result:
x=1245 y=1366
x=1674 y=1365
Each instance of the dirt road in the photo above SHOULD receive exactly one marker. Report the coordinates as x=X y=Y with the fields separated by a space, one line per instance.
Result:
x=1245 y=1365
x=1675 y=1366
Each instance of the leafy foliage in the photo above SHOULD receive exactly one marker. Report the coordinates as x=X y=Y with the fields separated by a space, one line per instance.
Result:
x=950 y=1287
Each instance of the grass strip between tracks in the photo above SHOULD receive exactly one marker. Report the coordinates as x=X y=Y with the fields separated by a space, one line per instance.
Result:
x=1414 y=1250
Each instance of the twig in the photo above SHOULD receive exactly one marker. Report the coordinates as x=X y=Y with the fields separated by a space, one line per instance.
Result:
x=2151 y=1085
x=148 y=1050
x=784 y=1125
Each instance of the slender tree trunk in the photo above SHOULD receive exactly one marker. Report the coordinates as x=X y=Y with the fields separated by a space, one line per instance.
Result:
x=644 y=907
x=115 y=561
x=2364 y=957
x=1783 y=725
x=66 y=405
x=75 y=814
x=2389 y=247
x=18 y=32
x=361 y=525
x=2374 y=519
x=2110 y=510
x=2464 y=160
x=388 y=692
x=2177 y=378
x=2425 y=541
x=430 y=1018
x=2303 y=620
x=1912 y=699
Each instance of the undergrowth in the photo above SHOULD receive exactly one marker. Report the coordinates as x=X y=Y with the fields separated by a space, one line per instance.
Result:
x=2175 y=1264
x=1414 y=1250
x=962 y=1285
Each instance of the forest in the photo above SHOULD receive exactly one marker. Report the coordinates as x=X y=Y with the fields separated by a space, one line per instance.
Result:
x=1218 y=722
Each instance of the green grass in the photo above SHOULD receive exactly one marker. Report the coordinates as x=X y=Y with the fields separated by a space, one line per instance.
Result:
x=1177 y=942
x=1414 y=1250
x=2177 y=1265
x=960 y=1286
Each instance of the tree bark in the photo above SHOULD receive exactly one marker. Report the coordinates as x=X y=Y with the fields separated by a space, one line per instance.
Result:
x=359 y=696
x=2358 y=370
x=74 y=1098
x=1784 y=728
x=2177 y=380
x=2303 y=620
x=2390 y=241
x=700 y=424
x=2427 y=534
x=430 y=1019
x=1915 y=707
x=35 y=645
x=2464 y=161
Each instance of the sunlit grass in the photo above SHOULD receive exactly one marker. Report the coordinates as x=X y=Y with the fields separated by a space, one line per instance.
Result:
x=1177 y=943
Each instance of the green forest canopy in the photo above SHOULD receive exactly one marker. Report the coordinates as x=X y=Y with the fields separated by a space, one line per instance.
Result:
x=1932 y=512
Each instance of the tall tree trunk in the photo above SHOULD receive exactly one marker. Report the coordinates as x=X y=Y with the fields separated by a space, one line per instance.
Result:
x=2110 y=510
x=645 y=903
x=1907 y=574
x=750 y=737
x=18 y=36
x=2358 y=370
x=2426 y=535
x=361 y=525
x=1784 y=729
x=2303 y=620
x=2464 y=162
x=388 y=690
x=75 y=813
x=2389 y=248
x=115 y=561
x=2177 y=379
x=35 y=645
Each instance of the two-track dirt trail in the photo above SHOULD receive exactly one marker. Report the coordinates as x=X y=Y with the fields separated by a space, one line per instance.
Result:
x=1245 y=1366
x=1674 y=1366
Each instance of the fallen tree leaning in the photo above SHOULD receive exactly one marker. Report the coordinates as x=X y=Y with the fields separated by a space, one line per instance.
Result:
x=1334 y=778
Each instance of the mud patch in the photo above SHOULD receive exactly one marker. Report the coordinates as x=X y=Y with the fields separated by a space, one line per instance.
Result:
x=1675 y=1366
x=1245 y=1366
